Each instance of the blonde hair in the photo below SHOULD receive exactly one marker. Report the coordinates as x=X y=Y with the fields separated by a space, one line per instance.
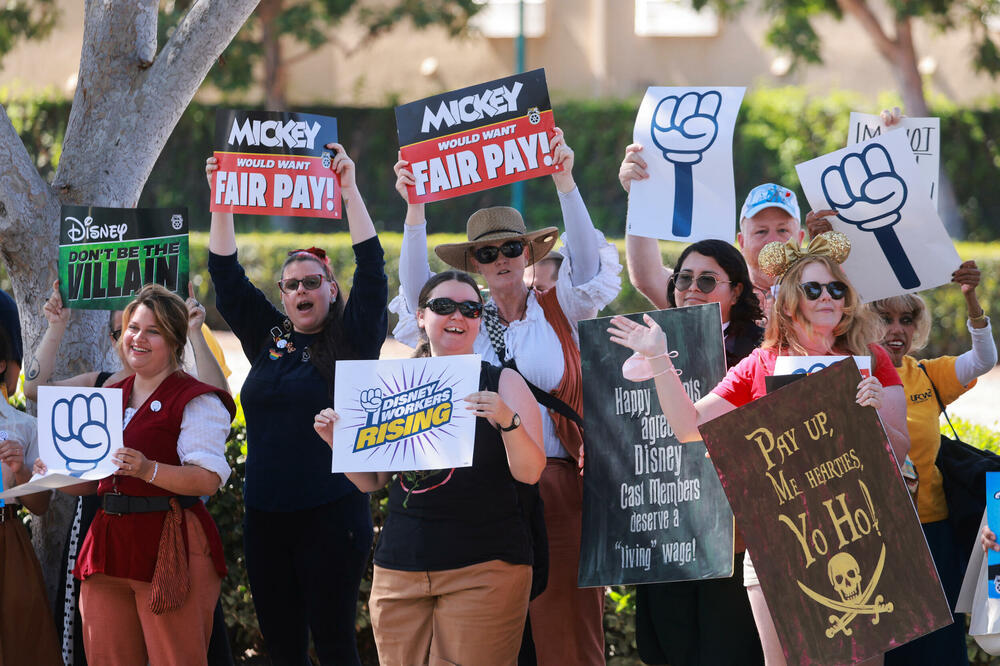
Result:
x=858 y=327
x=169 y=312
x=914 y=306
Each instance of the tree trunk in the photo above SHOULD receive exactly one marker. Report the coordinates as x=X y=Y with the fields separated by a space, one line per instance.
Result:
x=128 y=100
x=275 y=69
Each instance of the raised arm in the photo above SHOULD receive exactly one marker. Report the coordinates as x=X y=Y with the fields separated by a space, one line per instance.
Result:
x=358 y=220
x=581 y=238
x=683 y=415
x=414 y=268
x=646 y=271
x=983 y=356
x=209 y=370
x=222 y=233
x=39 y=367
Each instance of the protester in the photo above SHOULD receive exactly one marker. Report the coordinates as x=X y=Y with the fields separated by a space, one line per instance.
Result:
x=770 y=213
x=945 y=378
x=542 y=274
x=453 y=561
x=816 y=313
x=27 y=635
x=708 y=621
x=307 y=532
x=537 y=330
x=203 y=360
x=11 y=323
x=144 y=582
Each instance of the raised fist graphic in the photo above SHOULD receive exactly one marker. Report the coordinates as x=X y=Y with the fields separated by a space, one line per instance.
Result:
x=683 y=128
x=371 y=402
x=867 y=192
x=80 y=431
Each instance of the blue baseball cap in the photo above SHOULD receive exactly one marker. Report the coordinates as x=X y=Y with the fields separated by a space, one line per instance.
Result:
x=770 y=195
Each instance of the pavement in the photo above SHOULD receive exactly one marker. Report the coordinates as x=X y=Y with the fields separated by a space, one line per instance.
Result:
x=981 y=405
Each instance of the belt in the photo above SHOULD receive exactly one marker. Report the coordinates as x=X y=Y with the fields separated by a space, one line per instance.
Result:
x=8 y=512
x=119 y=505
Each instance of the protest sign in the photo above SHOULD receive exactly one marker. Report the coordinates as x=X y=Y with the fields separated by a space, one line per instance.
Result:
x=106 y=255
x=923 y=135
x=275 y=163
x=404 y=414
x=806 y=365
x=827 y=520
x=898 y=243
x=687 y=140
x=993 y=520
x=477 y=138
x=653 y=508
x=78 y=428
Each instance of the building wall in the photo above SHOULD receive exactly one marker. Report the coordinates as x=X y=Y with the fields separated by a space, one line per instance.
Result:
x=589 y=49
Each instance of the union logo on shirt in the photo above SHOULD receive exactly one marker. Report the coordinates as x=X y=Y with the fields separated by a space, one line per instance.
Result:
x=918 y=398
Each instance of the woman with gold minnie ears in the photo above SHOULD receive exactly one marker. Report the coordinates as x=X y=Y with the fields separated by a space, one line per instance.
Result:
x=816 y=313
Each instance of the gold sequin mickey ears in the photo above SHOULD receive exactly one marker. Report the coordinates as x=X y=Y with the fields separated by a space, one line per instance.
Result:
x=776 y=258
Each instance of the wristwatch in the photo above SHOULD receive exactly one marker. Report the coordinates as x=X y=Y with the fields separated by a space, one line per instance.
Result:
x=514 y=423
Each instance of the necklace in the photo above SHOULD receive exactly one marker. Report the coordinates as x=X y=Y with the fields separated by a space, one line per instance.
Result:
x=524 y=311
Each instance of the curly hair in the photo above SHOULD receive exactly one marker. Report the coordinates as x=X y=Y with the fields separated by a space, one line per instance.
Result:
x=858 y=327
x=914 y=306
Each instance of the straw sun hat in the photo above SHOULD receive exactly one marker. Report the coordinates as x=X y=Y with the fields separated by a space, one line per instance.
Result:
x=497 y=225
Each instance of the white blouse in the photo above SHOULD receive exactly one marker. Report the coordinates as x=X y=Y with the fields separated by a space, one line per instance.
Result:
x=531 y=342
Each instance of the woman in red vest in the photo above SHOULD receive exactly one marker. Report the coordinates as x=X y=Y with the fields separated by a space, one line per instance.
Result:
x=152 y=562
x=536 y=330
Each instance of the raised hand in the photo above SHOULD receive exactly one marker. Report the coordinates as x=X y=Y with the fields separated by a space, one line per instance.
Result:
x=53 y=308
x=648 y=340
x=404 y=178
x=196 y=311
x=79 y=431
x=867 y=192
x=343 y=166
x=211 y=166
x=371 y=402
x=968 y=276
x=683 y=128
x=633 y=166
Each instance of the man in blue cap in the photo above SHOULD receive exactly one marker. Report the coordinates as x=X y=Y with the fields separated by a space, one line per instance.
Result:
x=770 y=213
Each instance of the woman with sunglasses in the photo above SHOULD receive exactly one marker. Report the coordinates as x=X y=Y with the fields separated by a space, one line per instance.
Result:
x=907 y=325
x=453 y=560
x=537 y=332
x=816 y=313
x=306 y=532
x=707 y=622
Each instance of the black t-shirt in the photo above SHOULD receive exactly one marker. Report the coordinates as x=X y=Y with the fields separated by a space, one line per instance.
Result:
x=458 y=517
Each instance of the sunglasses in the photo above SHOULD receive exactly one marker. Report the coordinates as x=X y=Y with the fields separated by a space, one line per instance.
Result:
x=706 y=283
x=814 y=290
x=446 y=306
x=489 y=253
x=291 y=285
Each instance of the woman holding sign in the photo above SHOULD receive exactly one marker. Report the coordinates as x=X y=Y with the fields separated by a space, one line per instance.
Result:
x=537 y=331
x=306 y=532
x=152 y=561
x=930 y=384
x=816 y=313
x=453 y=561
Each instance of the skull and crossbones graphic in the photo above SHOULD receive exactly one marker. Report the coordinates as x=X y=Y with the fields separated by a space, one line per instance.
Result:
x=845 y=578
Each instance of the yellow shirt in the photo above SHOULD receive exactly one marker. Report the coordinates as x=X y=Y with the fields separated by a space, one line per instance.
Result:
x=217 y=352
x=922 y=413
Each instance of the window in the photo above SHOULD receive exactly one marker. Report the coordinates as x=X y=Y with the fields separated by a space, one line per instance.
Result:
x=499 y=18
x=674 y=18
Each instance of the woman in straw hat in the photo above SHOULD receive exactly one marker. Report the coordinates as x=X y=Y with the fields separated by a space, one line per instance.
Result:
x=816 y=313
x=536 y=331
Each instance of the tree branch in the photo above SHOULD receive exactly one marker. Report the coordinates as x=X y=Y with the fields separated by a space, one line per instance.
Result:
x=860 y=10
x=145 y=32
x=22 y=189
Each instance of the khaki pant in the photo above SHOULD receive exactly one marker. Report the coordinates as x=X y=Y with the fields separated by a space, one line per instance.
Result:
x=119 y=628
x=473 y=616
x=567 y=622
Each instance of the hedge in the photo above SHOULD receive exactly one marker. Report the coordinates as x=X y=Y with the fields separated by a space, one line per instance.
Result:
x=263 y=253
x=777 y=128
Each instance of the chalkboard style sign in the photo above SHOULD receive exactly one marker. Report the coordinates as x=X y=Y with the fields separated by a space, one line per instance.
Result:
x=653 y=508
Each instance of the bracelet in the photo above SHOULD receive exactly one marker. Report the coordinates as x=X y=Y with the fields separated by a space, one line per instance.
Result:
x=978 y=318
x=156 y=468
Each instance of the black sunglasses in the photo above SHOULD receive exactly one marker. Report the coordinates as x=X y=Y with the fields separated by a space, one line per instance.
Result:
x=706 y=283
x=814 y=290
x=310 y=282
x=489 y=253
x=446 y=306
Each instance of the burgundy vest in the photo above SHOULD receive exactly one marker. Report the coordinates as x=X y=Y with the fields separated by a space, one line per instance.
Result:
x=126 y=546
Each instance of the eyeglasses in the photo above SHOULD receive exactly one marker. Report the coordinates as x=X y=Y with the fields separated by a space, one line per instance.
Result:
x=446 y=306
x=706 y=283
x=116 y=333
x=489 y=253
x=310 y=282
x=814 y=290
